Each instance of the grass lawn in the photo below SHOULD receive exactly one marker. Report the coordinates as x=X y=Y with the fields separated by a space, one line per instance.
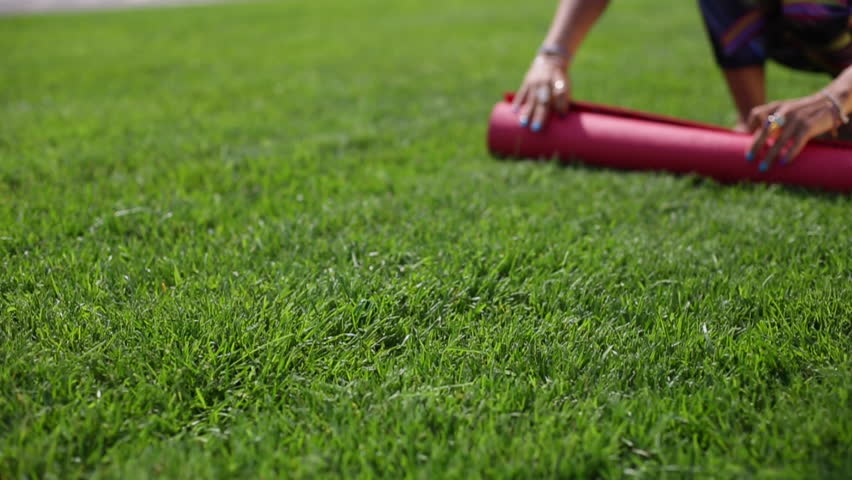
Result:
x=266 y=240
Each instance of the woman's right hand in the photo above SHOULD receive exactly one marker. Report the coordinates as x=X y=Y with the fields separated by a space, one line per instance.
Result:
x=546 y=87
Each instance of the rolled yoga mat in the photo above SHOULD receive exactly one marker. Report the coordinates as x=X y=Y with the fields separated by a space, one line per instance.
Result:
x=619 y=138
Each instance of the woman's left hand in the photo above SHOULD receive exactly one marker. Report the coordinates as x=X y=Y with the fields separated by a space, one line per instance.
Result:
x=796 y=122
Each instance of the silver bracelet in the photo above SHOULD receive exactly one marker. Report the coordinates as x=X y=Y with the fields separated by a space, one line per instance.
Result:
x=554 y=51
x=837 y=107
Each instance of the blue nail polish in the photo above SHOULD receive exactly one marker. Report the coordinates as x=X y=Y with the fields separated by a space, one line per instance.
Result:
x=536 y=126
x=749 y=156
x=764 y=166
x=524 y=122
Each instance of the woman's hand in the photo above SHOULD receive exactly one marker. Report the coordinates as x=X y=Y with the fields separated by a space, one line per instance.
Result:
x=790 y=125
x=546 y=86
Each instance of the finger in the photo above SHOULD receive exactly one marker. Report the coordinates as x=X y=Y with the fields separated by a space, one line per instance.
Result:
x=560 y=104
x=787 y=133
x=560 y=94
x=756 y=119
x=518 y=102
x=795 y=149
x=758 y=141
x=534 y=108
x=526 y=110
x=800 y=141
x=540 y=115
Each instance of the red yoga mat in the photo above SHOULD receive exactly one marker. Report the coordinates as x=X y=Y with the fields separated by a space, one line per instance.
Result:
x=619 y=138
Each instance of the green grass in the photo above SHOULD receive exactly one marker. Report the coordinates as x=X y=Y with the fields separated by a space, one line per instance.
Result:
x=266 y=240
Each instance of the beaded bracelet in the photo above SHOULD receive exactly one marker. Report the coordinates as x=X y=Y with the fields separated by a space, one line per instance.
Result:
x=838 y=109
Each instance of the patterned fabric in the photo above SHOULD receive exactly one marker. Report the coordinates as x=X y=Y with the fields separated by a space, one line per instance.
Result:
x=815 y=36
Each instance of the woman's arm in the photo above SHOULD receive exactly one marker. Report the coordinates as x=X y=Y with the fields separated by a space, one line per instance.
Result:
x=800 y=120
x=546 y=82
x=573 y=20
x=748 y=89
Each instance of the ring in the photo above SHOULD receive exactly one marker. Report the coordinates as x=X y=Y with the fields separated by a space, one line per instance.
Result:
x=775 y=122
x=543 y=94
x=559 y=85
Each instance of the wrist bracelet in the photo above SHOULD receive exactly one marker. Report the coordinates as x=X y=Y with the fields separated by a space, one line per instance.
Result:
x=554 y=51
x=837 y=107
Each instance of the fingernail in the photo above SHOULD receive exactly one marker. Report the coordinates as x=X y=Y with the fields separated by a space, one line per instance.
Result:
x=536 y=126
x=749 y=156
x=764 y=166
x=516 y=109
x=524 y=122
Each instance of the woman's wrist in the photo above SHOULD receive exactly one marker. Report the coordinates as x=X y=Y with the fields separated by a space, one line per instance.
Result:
x=554 y=54
x=554 y=50
x=841 y=91
x=837 y=106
